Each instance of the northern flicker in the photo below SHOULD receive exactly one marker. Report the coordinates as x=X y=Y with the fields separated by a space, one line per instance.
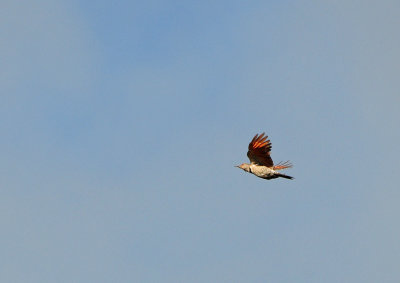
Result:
x=261 y=163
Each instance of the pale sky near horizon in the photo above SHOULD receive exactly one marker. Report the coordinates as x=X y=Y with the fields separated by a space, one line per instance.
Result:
x=121 y=124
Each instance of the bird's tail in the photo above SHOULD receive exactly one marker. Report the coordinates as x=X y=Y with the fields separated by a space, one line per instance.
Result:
x=283 y=165
x=284 y=176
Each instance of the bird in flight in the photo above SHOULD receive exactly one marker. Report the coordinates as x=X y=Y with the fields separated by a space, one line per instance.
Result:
x=261 y=163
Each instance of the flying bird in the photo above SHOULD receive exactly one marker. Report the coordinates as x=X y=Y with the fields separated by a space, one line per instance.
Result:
x=261 y=163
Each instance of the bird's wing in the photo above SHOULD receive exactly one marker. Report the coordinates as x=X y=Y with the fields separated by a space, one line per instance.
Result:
x=259 y=149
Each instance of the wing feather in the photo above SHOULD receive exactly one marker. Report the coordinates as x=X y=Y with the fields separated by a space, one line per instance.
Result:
x=259 y=150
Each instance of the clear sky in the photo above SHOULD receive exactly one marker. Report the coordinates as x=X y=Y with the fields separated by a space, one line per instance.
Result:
x=121 y=123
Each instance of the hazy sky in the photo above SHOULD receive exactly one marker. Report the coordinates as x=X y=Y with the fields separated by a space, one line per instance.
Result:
x=121 y=123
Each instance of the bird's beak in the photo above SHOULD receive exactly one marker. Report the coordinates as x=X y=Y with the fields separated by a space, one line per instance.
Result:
x=236 y=166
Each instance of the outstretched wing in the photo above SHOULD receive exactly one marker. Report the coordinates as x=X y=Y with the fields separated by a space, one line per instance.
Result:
x=283 y=165
x=259 y=149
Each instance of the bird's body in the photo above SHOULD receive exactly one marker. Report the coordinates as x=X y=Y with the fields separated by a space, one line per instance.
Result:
x=261 y=163
x=263 y=171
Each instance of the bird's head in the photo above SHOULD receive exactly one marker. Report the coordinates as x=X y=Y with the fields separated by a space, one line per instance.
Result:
x=244 y=166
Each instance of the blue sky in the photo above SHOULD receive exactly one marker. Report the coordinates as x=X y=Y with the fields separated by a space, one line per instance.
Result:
x=121 y=123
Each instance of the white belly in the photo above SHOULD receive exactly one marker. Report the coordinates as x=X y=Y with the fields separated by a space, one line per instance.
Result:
x=262 y=171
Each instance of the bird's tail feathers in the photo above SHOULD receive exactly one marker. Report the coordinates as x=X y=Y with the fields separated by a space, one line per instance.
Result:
x=284 y=176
